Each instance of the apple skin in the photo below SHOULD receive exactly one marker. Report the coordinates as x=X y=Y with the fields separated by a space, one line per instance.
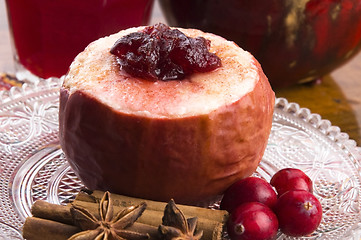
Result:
x=190 y=159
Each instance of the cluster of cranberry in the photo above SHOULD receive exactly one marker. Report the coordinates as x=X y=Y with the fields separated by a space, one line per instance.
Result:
x=257 y=211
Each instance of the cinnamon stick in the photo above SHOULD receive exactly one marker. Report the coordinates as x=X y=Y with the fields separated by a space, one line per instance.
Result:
x=58 y=213
x=210 y=221
x=125 y=201
x=150 y=218
x=40 y=229
x=86 y=197
x=154 y=218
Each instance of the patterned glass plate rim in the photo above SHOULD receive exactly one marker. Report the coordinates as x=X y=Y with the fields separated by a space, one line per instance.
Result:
x=33 y=167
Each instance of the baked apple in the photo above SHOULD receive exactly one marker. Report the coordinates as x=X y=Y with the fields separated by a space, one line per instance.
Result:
x=187 y=139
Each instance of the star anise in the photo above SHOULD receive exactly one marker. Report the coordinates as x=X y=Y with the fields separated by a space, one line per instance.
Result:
x=175 y=226
x=107 y=226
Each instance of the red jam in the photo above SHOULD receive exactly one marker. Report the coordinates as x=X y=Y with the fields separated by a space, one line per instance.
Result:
x=159 y=52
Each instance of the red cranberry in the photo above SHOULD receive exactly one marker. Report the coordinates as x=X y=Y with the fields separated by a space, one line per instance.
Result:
x=159 y=52
x=251 y=189
x=299 y=213
x=291 y=179
x=252 y=220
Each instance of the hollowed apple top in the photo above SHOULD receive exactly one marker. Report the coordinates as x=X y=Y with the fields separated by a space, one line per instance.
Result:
x=96 y=72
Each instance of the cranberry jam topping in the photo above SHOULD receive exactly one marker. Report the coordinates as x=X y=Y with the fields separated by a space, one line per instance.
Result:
x=159 y=52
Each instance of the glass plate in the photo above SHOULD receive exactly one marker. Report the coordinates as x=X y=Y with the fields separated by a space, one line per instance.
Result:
x=33 y=167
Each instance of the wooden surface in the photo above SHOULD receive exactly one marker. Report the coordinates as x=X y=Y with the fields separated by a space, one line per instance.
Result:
x=337 y=98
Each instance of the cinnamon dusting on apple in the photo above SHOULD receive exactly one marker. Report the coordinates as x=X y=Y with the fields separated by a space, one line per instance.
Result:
x=160 y=53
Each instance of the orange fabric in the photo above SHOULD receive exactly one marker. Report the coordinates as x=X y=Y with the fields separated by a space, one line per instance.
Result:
x=7 y=81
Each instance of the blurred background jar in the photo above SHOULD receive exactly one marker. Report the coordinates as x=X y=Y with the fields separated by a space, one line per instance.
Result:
x=296 y=41
x=48 y=34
